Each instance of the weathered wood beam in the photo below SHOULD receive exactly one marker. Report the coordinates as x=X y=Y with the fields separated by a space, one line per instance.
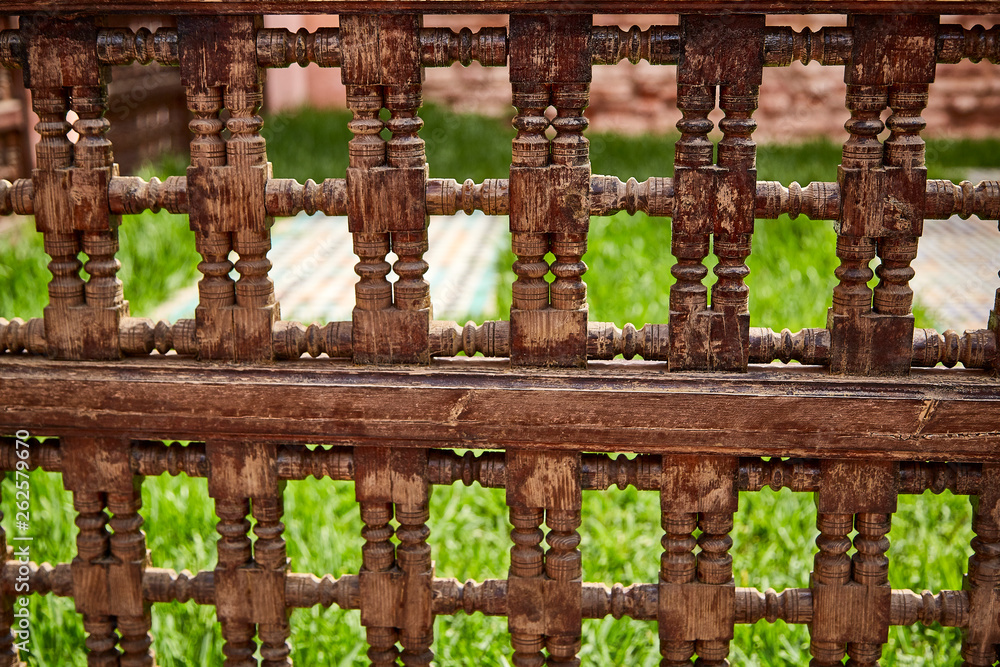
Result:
x=477 y=403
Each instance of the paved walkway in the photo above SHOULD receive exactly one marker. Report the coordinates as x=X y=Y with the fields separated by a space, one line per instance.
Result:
x=956 y=268
x=956 y=272
x=313 y=269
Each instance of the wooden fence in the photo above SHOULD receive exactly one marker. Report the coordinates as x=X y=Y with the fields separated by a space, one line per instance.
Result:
x=705 y=409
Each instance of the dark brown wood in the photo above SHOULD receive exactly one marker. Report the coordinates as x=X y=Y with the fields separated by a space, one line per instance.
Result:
x=386 y=183
x=697 y=594
x=549 y=189
x=863 y=427
x=933 y=415
x=982 y=581
x=226 y=187
x=544 y=589
x=505 y=6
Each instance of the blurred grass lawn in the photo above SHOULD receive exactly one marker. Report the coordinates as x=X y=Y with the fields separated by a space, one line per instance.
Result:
x=791 y=285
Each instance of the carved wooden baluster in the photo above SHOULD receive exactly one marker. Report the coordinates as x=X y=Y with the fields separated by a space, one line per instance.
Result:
x=216 y=289
x=247 y=592
x=66 y=289
x=911 y=45
x=982 y=583
x=677 y=566
x=248 y=170
x=93 y=165
x=893 y=295
x=694 y=188
x=570 y=149
x=60 y=56
x=870 y=567
x=207 y=147
x=90 y=573
x=526 y=569
x=91 y=596
x=269 y=553
x=249 y=585
x=851 y=301
x=378 y=558
x=861 y=186
x=234 y=554
x=530 y=291
x=545 y=484
x=697 y=603
x=395 y=584
x=366 y=149
x=411 y=498
x=381 y=67
x=373 y=291
x=204 y=82
x=128 y=549
x=832 y=568
x=549 y=188
x=108 y=572
x=415 y=561
x=852 y=601
x=405 y=150
x=715 y=566
x=740 y=79
x=868 y=211
x=563 y=565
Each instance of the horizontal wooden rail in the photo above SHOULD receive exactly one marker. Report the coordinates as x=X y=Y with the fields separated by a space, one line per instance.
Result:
x=442 y=47
x=599 y=472
x=930 y=415
x=141 y=336
x=450 y=596
x=235 y=7
x=608 y=195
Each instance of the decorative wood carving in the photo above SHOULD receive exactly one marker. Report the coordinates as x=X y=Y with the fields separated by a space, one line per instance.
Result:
x=696 y=437
x=549 y=189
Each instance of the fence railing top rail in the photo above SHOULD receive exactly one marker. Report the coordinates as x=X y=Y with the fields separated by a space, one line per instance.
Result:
x=502 y=6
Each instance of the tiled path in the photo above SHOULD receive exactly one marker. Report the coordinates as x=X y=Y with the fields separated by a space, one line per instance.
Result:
x=313 y=269
x=956 y=268
x=956 y=271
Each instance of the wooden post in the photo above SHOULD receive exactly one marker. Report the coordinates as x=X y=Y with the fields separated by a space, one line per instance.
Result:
x=882 y=194
x=851 y=596
x=108 y=568
x=249 y=579
x=395 y=582
x=712 y=198
x=386 y=183
x=549 y=189
x=225 y=187
x=544 y=590
x=70 y=184
x=697 y=602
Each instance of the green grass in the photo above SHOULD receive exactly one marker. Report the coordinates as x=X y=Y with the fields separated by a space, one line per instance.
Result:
x=156 y=253
x=629 y=257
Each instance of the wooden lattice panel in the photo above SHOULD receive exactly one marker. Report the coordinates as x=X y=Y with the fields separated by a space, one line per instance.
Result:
x=705 y=412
